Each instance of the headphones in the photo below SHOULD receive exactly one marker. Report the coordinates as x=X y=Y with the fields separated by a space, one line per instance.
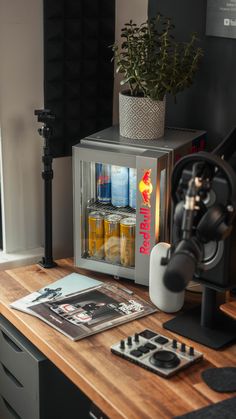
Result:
x=216 y=222
x=211 y=224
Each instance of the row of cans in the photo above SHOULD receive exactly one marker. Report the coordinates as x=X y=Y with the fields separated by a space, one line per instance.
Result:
x=116 y=185
x=112 y=238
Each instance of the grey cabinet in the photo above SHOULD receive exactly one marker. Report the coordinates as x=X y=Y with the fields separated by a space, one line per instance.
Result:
x=31 y=387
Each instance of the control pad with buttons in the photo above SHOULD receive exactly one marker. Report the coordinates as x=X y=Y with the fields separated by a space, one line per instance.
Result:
x=156 y=352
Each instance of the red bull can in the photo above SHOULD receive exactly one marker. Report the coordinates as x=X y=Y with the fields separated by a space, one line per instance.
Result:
x=119 y=186
x=127 y=242
x=103 y=179
x=112 y=238
x=96 y=235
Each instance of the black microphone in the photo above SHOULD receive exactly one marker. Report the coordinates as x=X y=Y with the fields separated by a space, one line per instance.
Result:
x=182 y=264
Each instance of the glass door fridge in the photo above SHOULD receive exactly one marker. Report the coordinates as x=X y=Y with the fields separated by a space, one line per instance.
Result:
x=121 y=204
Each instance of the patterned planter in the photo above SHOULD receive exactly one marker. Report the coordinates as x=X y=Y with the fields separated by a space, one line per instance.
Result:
x=141 y=117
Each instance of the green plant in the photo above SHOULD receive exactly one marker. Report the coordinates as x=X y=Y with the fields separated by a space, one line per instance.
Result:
x=151 y=62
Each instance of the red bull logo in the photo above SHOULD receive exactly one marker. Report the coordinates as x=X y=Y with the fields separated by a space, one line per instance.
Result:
x=145 y=231
x=146 y=188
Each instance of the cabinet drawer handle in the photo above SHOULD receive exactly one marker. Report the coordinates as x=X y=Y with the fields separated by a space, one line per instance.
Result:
x=11 y=410
x=11 y=343
x=11 y=376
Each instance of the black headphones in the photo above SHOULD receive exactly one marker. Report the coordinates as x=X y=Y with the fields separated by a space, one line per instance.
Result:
x=214 y=223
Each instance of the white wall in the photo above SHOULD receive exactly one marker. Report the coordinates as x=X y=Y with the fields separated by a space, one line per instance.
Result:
x=126 y=10
x=21 y=91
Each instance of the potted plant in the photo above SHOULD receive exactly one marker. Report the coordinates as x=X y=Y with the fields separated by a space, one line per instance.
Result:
x=152 y=64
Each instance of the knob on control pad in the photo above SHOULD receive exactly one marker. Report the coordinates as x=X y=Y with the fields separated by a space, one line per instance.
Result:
x=122 y=344
x=165 y=359
x=191 y=351
x=129 y=341
x=136 y=337
x=183 y=347
x=174 y=344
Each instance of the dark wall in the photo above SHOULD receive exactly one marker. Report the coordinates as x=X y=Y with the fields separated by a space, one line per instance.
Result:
x=211 y=102
x=78 y=73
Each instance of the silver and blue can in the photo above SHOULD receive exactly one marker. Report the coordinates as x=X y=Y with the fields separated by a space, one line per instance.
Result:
x=103 y=179
x=119 y=186
x=132 y=187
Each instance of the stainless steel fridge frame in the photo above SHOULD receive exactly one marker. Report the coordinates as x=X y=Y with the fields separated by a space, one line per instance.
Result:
x=160 y=155
x=151 y=222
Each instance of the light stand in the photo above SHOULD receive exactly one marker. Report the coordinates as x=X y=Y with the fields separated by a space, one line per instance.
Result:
x=45 y=116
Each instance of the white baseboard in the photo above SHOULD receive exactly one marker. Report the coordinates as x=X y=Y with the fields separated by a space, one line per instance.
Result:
x=27 y=257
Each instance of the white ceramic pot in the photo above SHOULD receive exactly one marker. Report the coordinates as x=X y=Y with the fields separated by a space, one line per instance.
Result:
x=141 y=117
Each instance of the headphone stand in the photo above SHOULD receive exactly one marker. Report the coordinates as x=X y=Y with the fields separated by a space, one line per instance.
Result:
x=205 y=324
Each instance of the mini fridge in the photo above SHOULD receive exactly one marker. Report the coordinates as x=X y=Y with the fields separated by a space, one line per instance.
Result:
x=122 y=204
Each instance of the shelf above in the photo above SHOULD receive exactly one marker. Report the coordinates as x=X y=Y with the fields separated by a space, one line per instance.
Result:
x=110 y=209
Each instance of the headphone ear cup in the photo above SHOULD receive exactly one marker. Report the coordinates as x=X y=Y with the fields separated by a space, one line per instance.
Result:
x=212 y=226
x=177 y=221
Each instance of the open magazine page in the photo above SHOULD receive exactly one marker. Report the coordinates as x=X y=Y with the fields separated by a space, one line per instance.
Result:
x=68 y=285
x=91 y=311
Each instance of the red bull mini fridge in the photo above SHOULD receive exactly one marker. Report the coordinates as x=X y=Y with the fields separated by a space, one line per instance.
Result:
x=122 y=198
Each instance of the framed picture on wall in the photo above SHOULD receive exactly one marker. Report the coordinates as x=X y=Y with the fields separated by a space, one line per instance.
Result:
x=221 y=18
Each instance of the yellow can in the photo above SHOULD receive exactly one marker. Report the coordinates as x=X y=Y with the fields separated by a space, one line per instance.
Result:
x=127 y=242
x=96 y=235
x=112 y=238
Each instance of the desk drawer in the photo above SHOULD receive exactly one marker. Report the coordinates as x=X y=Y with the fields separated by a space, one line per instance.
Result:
x=7 y=411
x=23 y=400
x=31 y=387
x=18 y=356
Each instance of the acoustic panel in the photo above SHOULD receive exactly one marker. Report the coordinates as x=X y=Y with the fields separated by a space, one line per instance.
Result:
x=78 y=72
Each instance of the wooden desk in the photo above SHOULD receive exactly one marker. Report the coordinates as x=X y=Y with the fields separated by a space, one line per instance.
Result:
x=119 y=388
x=229 y=309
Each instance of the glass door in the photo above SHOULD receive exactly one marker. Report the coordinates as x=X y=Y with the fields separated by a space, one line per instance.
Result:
x=105 y=200
x=111 y=215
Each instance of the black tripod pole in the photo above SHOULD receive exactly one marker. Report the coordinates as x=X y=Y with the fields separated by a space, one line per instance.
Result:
x=47 y=174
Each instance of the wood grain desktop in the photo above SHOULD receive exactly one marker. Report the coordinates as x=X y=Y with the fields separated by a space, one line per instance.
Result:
x=120 y=389
x=229 y=309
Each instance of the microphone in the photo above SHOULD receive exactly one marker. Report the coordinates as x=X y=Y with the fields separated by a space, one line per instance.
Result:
x=182 y=264
x=188 y=253
x=165 y=300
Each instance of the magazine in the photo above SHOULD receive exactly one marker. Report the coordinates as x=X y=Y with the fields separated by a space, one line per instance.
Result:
x=68 y=285
x=93 y=310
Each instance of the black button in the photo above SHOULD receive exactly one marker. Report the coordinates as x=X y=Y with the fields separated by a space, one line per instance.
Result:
x=136 y=353
x=150 y=346
x=143 y=349
x=147 y=334
x=161 y=340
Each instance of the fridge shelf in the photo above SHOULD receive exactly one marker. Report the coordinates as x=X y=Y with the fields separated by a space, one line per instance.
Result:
x=86 y=256
x=109 y=209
